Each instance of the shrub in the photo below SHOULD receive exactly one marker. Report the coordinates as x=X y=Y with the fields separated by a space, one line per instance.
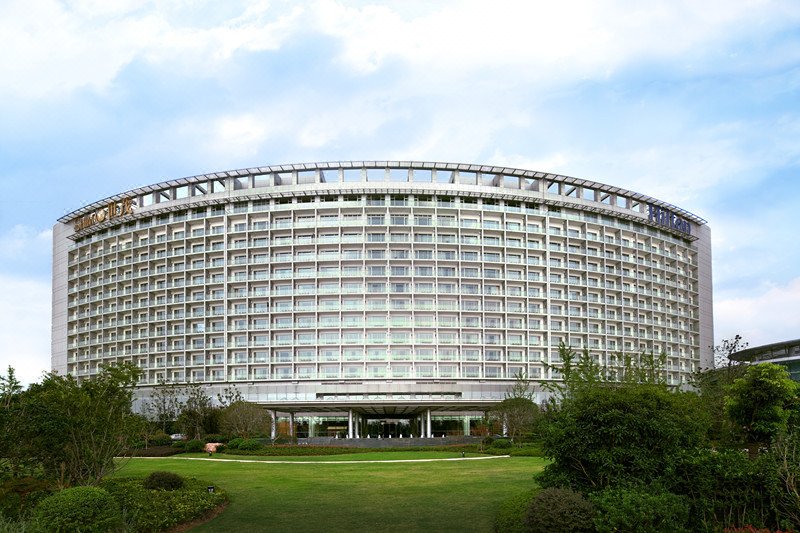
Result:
x=160 y=439
x=194 y=446
x=160 y=480
x=249 y=444
x=180 y=444
x=726 y=489
x=512 y=512
x=233 y=444
x=215 y=437
x=21 y=525
x=640 y=510
x=502 y=444
x=606 y=436
x=221 y=448
x=147 y=510
x=556 y=510
x=487 y=441
x=84 y=509
x=19 y=495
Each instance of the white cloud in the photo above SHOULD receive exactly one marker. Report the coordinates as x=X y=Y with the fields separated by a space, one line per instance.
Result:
x=21 y=241
x=24 y=326
x=771 y=316
x=571 y=39
x=53 y=48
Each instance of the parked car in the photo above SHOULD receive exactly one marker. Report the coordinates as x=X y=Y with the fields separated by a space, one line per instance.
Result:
x=178 y=436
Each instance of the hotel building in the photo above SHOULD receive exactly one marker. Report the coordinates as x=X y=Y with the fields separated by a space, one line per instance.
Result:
x=373 y=290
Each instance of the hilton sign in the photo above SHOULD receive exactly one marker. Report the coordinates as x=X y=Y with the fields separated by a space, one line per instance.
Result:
x=112 y=210
x=668 y=219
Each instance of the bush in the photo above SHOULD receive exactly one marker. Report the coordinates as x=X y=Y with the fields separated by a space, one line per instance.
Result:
x=233 y=444
x=512 y=512
x=21 y=525
x=179 y=444
x=528 y=450
x=555 y=510
x=84 y=509
x=726 y=489
x=215 y=437
x=160 y=480
x=194 y=446
x=19 y=495
x=640 y=510
x=221 y=448
x=502 y=444
x=147 y=510
x=627 y=434
x=160 y=439
x=249 y=444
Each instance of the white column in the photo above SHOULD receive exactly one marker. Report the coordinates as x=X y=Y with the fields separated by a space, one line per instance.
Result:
x=350 y=424
x=310 y=426
x=291 y=424
x=428 y=424
x=466 y=426
x=273 y=432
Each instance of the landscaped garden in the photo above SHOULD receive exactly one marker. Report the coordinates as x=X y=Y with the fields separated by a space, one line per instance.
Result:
x=612 y=451
x=402 y=496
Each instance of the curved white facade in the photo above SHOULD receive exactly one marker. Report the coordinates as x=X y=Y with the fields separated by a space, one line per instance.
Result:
x=385 y=287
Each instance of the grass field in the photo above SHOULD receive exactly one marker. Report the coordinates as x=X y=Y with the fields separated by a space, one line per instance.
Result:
x=403 y=496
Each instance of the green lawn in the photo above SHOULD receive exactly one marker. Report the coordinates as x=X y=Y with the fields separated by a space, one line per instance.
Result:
x=426 y=496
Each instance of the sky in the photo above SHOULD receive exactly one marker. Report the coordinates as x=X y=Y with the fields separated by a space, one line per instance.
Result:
x=694 y=103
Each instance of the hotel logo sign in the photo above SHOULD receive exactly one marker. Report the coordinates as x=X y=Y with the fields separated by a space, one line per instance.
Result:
x=112 y=210
x=668 y=219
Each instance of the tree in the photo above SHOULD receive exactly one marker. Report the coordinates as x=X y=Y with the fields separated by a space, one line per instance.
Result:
x=521 y=387
x=73 y=430
x=619 y=433
x=197 y=416
x=723 y=352
x=517 y=415
x=10 y=387
x=229 y=396
x=244 y=419
x=713 y=383
x=164 y=405
x=761 y=402
x=585 y=371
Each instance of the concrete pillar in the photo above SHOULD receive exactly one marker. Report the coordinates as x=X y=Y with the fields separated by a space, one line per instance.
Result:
x=428 y=424
x=273 y=432
x=349 y=423
x=505 y=428
x=357 y=426
x=311 y=426
x=291 y=424
x=466 y=426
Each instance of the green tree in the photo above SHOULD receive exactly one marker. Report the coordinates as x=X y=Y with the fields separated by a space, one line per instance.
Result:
x=761 y=402
x=198 y=416
x=244 y=419
x=73 y=430
x=164 y=405
x=517 y=415
x=522 y=387
x=229 y=395
x=619 y=433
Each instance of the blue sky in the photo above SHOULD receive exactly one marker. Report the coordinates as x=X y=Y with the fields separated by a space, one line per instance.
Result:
x=695 y=103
